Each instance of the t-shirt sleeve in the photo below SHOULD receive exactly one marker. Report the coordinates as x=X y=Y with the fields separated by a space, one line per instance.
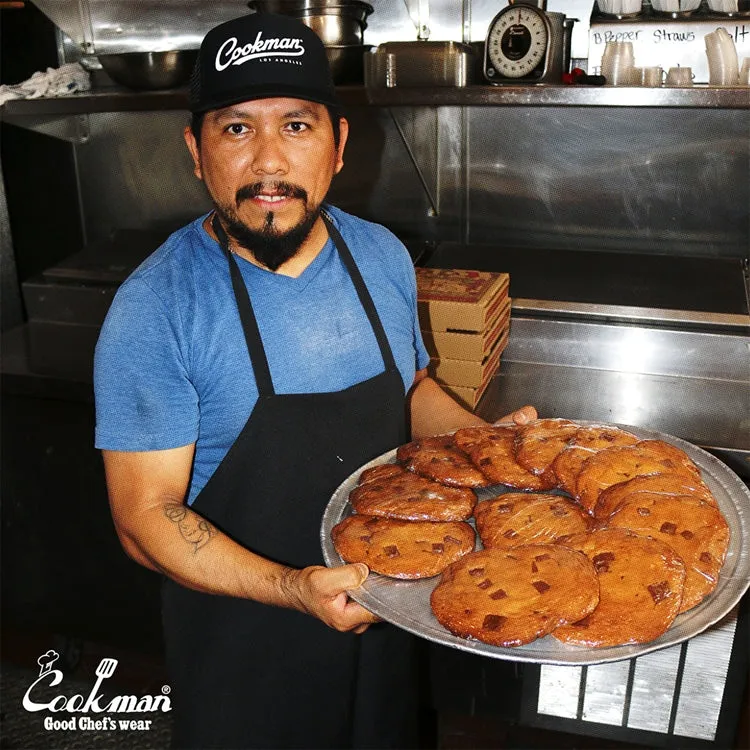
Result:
x=145 y=399
x=409 y=281
x=423 y=358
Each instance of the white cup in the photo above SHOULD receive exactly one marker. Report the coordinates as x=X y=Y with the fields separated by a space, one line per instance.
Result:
x=651 y=77
x=744 y=78
x=618 y=64
x=680 y=76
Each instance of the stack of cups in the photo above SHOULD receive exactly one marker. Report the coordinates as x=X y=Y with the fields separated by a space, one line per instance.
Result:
x=745 y=72
x=618 y=64
x=652 y=76
x=723 y=63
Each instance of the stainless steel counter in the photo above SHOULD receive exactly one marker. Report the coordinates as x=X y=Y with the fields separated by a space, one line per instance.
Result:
x=692 y=384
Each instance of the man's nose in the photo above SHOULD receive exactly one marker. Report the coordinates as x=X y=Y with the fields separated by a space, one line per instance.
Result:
x=270 y=157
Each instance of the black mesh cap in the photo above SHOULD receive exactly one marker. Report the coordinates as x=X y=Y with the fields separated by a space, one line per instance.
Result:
x=257 y=56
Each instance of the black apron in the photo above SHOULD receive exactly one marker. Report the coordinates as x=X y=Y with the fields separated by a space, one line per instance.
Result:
x=248 y=675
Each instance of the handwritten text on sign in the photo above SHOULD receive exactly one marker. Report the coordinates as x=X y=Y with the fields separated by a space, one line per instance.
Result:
x=669 y=44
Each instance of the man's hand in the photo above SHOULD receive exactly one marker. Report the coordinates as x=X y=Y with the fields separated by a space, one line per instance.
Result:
x=524 y=415
x=321 y=592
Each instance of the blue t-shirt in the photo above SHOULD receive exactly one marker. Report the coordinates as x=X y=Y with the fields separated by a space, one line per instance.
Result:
x=172 y=366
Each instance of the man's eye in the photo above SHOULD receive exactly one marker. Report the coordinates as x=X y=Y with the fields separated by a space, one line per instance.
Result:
x=297 y=127
x=236 y=128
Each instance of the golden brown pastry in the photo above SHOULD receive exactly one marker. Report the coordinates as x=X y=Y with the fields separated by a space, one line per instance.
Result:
x=402 y=494
x=615 y=465
x=508 y=597
x=516 y=518
x=667 y=484
x=640 y=589
x=695 y=530
x=491 y=450
x=538 y=443
x=402 y=549
x=584 y=443
x=439 y=459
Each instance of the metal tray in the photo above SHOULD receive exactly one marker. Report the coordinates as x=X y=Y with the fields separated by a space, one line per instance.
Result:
x=407 y=603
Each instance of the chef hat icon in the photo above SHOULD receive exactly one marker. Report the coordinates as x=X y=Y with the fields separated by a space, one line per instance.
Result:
x=45 y=661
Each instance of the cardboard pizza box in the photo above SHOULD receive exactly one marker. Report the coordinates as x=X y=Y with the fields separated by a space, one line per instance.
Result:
x=468 y=397
x=452 y=299
x=468 y=372
x=468 y=346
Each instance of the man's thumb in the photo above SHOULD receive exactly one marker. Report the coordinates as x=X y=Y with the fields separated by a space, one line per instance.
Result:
x=350 y=576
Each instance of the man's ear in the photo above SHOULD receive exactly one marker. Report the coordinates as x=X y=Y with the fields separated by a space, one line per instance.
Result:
x=194 y=150
x=343 y=135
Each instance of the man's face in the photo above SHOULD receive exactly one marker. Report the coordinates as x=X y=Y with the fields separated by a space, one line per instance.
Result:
x=267 y=164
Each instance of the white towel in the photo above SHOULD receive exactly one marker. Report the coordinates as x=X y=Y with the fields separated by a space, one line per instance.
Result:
x=67 y=79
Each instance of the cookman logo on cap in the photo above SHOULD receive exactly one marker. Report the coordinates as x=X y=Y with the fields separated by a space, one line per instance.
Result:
x=230 y=53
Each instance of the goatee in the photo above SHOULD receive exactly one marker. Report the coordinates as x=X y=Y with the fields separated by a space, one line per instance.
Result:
x=270 y=246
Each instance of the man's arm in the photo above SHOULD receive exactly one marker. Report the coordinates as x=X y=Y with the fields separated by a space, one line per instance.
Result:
x=434 y=412
x=156 y=528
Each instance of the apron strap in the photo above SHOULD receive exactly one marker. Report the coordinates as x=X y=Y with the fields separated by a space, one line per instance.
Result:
x=257 y=353
x=362 y=292
x=249 y=322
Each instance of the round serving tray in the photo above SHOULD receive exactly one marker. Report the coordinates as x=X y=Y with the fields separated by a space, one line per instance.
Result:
x=407 y=603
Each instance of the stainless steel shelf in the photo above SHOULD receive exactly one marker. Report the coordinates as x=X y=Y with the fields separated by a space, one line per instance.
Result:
x=117 y=99
x=539 y=95
x=546 y=95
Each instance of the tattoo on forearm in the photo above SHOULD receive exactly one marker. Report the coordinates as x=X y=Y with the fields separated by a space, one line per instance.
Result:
x=193 y=529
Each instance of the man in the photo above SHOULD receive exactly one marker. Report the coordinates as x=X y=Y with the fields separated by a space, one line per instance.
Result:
x=259 y=357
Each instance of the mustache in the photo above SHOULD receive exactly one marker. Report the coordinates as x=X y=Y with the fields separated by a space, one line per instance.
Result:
x=286 y=189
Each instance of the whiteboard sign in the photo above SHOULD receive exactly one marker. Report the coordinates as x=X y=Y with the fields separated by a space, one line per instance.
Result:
x=667 y=44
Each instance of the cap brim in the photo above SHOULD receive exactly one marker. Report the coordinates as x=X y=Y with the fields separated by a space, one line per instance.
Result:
x=284 y=91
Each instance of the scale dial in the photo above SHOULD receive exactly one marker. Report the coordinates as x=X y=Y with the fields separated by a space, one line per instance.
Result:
x=517 y=42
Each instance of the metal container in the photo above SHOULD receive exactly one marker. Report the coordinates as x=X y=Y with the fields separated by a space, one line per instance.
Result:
x=336 y=22
x=150 y=70
x=347 y=62
x=419 y=64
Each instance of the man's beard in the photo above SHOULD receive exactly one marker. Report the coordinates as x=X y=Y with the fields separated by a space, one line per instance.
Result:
x=270 y=246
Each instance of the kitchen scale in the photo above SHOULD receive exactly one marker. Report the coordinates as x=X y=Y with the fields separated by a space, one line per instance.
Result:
x=525 y=44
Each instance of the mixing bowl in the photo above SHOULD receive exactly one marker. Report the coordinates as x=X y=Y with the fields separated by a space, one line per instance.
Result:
x=150 y=70
x=336 y=22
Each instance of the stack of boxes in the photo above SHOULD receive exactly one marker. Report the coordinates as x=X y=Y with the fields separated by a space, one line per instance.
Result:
x=465 y=321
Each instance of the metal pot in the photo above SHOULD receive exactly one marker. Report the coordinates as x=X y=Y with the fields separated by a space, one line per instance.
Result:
x=336 y=22
x=150 y=70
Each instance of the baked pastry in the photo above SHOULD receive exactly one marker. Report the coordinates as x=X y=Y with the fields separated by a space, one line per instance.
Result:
x=384 y=471
x=517 y=518
x=615 y=465
x=567 y=466
x=671 y=456
x=695 y=530
x=491 y=450
x=468 y=438
x=640 y=589
x=402 y=494
x=585 y=442
x=508 y=597
x=538 y=443
x=402 y=549
x=667 y=484
x=439 y=459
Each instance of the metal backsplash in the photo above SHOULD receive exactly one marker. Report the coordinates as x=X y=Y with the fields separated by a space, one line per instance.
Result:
x=671 y=181
x=135 y=173
x=107 y=26
x=667 y=181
